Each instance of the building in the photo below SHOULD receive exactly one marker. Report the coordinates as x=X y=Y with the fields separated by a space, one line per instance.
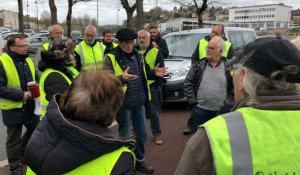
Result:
x=260 y=16
x=9 y=19
x=180 y=24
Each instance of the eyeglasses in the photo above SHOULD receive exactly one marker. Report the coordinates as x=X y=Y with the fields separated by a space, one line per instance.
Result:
x=20 y=46
x=211 y=48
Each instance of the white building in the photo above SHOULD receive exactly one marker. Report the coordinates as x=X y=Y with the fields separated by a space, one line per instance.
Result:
x=10 y=19
x=180 y=24
x=262 y=16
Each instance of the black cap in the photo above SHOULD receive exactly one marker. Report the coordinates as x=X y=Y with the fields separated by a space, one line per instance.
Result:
x=267 y=55
x=126 y=34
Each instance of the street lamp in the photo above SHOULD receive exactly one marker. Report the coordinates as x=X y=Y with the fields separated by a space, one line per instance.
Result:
x=37 y=16
x=27 y=16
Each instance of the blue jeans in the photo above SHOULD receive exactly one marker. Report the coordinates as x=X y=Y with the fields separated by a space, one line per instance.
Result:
x=135 y=117
x=154 y=105
x=200 y=116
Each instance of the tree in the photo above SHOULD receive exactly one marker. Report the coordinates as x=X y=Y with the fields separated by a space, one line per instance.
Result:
x=129 y=10
x=69 y=15
x=199 y=9
x=53 y=11
x=139 y=15
x=45 y=19
x=20 y=16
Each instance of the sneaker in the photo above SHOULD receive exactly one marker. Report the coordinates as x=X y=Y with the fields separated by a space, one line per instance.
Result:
x=144 y=168
x=158 y=140
x=187 y=131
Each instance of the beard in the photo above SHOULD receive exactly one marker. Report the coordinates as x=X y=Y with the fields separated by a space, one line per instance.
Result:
x=90 y=42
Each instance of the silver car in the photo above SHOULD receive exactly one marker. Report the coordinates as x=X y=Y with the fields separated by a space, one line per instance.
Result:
x=34 y=43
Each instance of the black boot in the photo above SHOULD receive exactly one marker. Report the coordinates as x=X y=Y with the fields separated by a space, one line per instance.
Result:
x=144 y=168
x=17 y=169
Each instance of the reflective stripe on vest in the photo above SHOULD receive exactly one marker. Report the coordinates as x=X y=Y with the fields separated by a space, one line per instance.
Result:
x=91 y=57
x=100 y=166
x=13 y=80
x=118 y=71
x=203 y=43
x=150 y=59
x=44 y=75
x=251 y=141
x=73 y=71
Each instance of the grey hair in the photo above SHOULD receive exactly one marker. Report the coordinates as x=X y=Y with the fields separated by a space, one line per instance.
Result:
x=51 y=28
x=92 y=27
x=254 y=82
x=296 y=42
x=144 y=31
x=221 y=44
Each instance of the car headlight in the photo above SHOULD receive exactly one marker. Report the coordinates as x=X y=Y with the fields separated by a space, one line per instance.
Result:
x=181 y=71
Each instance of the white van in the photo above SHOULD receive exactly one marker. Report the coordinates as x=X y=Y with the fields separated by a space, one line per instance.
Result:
x=181 y=47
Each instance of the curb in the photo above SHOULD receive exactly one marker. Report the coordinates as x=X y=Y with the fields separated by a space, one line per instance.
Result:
x=3 y=163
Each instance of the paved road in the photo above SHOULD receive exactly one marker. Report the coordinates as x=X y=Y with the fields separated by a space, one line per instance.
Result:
x=164 y=158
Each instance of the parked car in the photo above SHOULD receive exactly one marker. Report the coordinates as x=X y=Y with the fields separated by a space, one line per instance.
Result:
x=34 y=43
x=2 y=49
x=76 y=34
x=181 y=47
x=30 y=32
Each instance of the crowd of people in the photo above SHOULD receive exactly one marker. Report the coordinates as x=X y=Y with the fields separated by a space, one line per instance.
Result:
x=96 y=98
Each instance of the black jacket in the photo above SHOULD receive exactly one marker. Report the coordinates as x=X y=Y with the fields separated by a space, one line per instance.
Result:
x=195 y=55
x=59 y=144
x=162 y=46
x=54 y=83
x=194 y=77
x=19 y=116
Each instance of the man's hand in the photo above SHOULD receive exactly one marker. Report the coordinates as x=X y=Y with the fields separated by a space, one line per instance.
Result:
x=128 y=77
x=154 y=44
x=160 y=71
x=27 y=96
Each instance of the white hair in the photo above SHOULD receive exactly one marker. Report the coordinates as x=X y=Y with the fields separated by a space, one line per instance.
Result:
x=51 y=28
x=221 y=44
x=144 y=31
x=296 y=42
x=90 y=27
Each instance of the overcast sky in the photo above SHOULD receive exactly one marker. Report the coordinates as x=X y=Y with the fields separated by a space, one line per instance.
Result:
x=108 y=9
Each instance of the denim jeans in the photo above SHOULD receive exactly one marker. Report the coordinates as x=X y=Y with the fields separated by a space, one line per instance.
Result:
x=154 y=104
x=200 y=116
x=135 y=117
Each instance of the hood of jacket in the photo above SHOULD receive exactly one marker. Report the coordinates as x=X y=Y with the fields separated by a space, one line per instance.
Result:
x=59 y=144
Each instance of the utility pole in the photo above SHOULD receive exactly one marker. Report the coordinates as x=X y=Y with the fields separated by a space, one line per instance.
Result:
x=97 y=15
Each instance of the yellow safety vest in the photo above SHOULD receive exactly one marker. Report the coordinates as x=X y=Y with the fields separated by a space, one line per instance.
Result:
x=13 y=80
x=44 y=75
x=203 y=43
x=118 y=71
x=46 y=46
x=150 y=59
x=100 y=166
x=255 y=142
x=91 y=57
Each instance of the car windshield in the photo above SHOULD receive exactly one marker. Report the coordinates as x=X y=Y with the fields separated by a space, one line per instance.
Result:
x=183 y=45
